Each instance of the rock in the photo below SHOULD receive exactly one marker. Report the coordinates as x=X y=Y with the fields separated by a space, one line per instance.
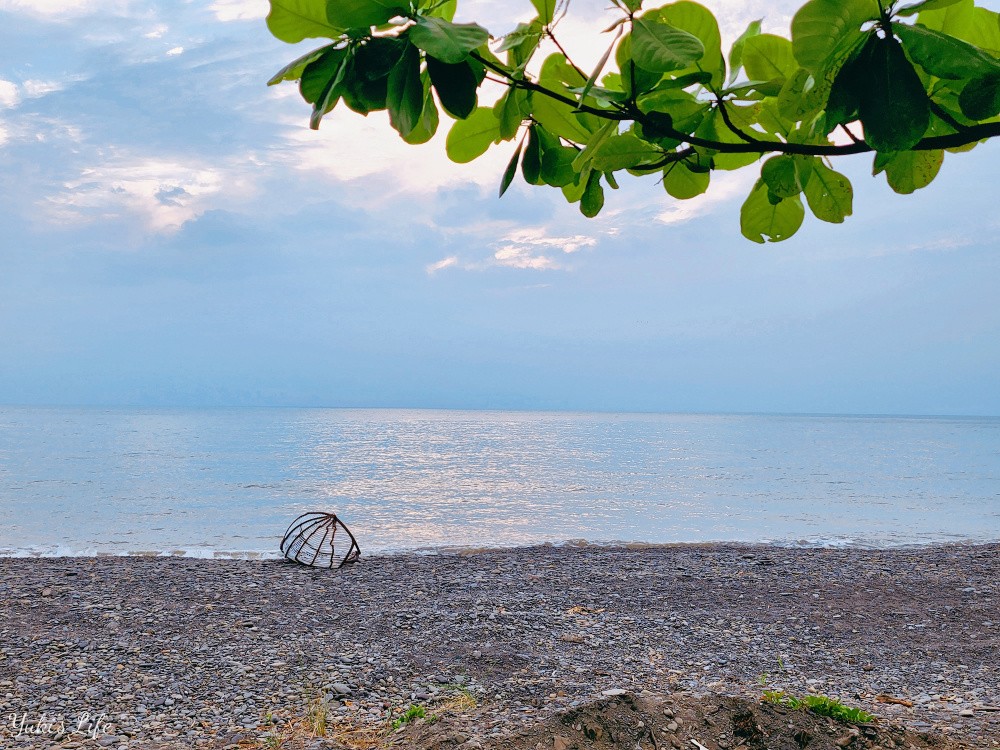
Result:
x=966 y=712
x=340 y=688
x=560 y=743
x=613 y=692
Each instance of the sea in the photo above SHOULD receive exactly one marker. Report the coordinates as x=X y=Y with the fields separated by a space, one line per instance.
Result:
x=227 y=482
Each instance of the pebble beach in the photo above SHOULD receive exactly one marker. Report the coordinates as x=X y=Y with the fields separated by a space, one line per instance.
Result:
x=160 y=652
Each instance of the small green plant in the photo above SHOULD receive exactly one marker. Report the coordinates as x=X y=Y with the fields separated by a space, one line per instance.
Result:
x=818 y=704
x=413 y=712
x=316 y=716
x=781 y=698
x=781 y=664
x=762 y=678
x=821 y=704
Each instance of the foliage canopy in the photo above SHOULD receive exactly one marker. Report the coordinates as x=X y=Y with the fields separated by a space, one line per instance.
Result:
x=906 y=82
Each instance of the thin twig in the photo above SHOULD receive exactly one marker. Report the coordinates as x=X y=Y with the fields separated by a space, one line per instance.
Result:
x=730 y=124
x=843 y=126
x=552 y=36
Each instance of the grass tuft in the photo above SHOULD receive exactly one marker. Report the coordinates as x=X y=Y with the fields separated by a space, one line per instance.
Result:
x=819 y=704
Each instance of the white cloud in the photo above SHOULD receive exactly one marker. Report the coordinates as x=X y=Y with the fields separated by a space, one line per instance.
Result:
x=61 y=10
x=239 y=10
x=513 y=256
x=4 y=135
x=157 y=32
x=725 y=186
x=442 y=264
x=173 y=52
x=10 y=96
x=349 y=147
x=532 y=248
x=36 y=89
x=163 y=193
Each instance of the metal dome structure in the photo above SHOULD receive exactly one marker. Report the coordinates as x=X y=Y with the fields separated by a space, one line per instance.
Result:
x=320 y=540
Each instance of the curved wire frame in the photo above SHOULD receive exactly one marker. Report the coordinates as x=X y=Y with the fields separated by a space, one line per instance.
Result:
x=320 y=540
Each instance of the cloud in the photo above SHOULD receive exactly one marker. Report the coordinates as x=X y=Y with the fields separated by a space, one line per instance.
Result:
x=61 y=10
x=725 y=187
x=349 y=147
x=37 y=89
x=239 y=10
x=532 y=248
x=163 y=193
x=442 y=264
x=173 y=52
x=10 y=96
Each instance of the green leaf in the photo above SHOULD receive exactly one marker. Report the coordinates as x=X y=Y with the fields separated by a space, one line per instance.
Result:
x=781 y=176
x=427 y=126
x=767 y=57
x=957 y=19
x=911 y=170
x=448 y=42
x=924 y=6
x=736 y=53
x=802 y=96
x=822 y=29
x=405 y=92
x=845 y=92
x=442 y=8
x=829 y=194
x=557 y=166
x=511 y=110
x=593 y=196
x=317 y=75
x=624 y=151
x=561 y=119
x=683 y=184
x=456 y=86
x=980 y=99
x=294 y=20
x=761 y=221
x=293 y=71
x=893 y=107
x=376 y=58
x=546 y=10
x=510 y=171
x=586 y=155
x=331 y=92
x=698 y=21
x=352 y=14
x=944 y=56
x=661 y=48
x=531 y=167
x=469 y=139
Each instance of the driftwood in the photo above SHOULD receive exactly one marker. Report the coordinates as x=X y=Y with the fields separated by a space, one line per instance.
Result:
x=320 y=540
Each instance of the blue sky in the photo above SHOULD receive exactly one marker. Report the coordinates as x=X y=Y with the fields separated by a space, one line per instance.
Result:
x=171 y=233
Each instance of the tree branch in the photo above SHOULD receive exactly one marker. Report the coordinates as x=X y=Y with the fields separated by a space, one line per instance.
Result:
x=968 y=135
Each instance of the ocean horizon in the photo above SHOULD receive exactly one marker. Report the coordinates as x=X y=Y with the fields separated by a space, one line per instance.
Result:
x=226 y=481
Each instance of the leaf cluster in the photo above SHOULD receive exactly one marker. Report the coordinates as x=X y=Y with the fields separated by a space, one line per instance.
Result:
x=904 y=82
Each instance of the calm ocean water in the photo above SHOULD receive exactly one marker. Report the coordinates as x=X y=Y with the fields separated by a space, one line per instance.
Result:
x=210 y=482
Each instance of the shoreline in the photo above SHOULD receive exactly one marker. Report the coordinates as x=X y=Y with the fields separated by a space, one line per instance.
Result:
x=200 y=651
x=466 y=550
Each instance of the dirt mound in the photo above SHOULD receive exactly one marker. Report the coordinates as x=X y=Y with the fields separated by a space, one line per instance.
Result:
x=702 y=723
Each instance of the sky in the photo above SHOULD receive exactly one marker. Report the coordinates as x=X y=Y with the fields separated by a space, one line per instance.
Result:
x=173 y=234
